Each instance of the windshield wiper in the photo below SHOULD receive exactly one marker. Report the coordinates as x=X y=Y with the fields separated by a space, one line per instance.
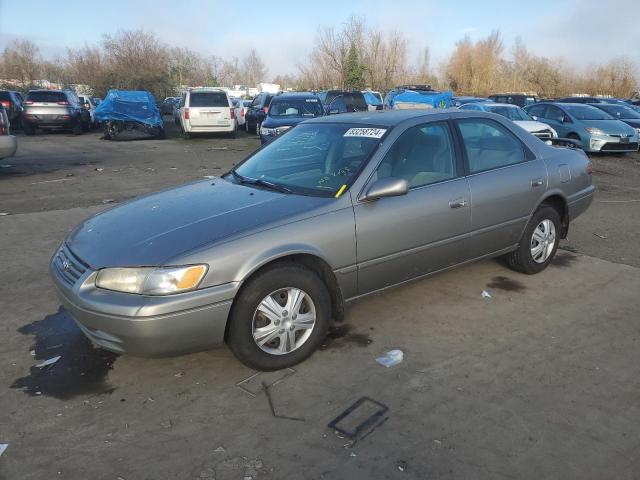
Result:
x=261 y=182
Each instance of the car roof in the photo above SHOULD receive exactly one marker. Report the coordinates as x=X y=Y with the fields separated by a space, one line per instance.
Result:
x=296 y=95
x=493 y=104
x=206 y=89
x=389 y=118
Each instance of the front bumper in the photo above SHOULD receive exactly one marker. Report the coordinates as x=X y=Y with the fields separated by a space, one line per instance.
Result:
x=608 y=143
x=143 y=325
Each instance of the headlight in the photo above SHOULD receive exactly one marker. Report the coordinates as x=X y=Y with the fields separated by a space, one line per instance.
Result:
x=151 y=281
x=594 y=131
x=638 y=132
x=267 y=131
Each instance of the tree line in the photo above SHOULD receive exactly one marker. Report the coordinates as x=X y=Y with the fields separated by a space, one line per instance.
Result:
x=354 y=56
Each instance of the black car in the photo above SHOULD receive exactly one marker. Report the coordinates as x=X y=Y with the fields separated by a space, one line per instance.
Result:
x=166 y=106
x=12 y=103
x=257 y=111
x=343 y=101
x=520 y=99
x=287 y=110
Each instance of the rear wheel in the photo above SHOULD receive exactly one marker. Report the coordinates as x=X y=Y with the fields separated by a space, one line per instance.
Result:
x=77 y=128
x=28 y=129
x=539 y=242
x=280 y=318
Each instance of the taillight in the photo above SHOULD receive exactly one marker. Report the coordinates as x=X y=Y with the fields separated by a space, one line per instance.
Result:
x=5 y=103
x=242 y=112
x=266 y=109
x=589 y=168
x=186 y=114
x=63 y=103
x=233 y=113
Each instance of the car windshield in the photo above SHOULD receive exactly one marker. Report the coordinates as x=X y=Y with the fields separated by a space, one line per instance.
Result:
x=620 y=111
x=587 y=112
x=512 y=113
x=295 y=107
x=312 y=159
x=208 y=99
x=46 y=97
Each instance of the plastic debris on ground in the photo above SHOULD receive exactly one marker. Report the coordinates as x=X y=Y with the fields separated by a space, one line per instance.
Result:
x=3 y=447
x=48 y=362
x=485 y=294
x=402 y=465
x=391 y=358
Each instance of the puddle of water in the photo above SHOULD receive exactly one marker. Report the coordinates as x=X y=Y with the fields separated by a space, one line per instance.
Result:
x=507 y=284
x=341 y=335
x=82 y=368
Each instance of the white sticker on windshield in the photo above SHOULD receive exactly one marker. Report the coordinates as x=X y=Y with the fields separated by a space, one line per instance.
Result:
x=312 y=100
x=365 y=132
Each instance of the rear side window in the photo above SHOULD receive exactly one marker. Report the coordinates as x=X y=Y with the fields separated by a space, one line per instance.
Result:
x=208 y=99
x=537 y=111
x=489 y=145
x=47 y=97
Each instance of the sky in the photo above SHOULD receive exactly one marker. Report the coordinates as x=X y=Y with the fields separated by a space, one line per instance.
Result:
x=580 y=32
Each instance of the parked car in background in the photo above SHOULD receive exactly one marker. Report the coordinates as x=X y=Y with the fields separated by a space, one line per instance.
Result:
x=88 y=104
x=177 y=112
x=595 y=130
x=417 y=96
x=265 y=257
x=207 y=110
x=343 y=101
x=287 y=110
x=519 y=99
x=242 y=106
x=8 y=142
x=12 y=103
x=457 y=101
x=515 y=114
x=256 y=111
x=621 y=112
x=125 y=114
x=166 y=106
x=374 y=100
x=583 y=100
x=54 y=110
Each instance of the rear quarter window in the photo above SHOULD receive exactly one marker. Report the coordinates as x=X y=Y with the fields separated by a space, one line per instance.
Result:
x=47 y=97
x=208 y=99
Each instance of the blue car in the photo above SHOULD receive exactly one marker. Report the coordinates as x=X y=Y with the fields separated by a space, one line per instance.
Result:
x=594 y=129
x=286 y=111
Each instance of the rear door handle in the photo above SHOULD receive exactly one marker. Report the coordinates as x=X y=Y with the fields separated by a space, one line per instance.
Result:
x=458 y=203
x=536 y=182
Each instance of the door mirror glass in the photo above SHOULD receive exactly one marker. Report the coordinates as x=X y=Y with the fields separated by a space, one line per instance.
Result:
x=387 y=187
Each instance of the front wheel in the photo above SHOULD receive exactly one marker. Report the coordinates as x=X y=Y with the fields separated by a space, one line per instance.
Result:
x=280 y=318
x=539 y=242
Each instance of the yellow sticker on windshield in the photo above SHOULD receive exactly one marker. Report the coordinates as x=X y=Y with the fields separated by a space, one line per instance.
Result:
x=340 y=191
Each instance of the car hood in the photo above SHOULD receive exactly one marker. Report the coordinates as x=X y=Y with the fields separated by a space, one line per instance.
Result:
x=154 y=229
x=532 y=125
x=615 y=127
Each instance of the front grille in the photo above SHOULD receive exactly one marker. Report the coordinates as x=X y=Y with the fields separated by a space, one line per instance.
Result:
x=70 y=267
x=543 y=134
x=619 y=147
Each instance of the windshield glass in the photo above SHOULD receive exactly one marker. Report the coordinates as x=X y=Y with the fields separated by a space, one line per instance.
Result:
x=314 y=159
x=295 y=107
x=586 y=112
x=619 y=111
x=49 y=97
x=208 y=99
x=512 y=113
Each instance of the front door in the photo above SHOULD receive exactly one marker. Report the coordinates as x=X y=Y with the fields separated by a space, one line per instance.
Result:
x=399 y=238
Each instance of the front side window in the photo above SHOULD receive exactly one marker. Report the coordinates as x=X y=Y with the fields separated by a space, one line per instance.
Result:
x=537 y=111
x=512 y=113
x=422 y=155
x=489 y=145
x=313 y=159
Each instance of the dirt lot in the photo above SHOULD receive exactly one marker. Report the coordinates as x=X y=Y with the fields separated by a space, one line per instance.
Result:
x=539 y=381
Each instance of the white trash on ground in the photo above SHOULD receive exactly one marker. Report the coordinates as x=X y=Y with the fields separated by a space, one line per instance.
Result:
x=50 y=361
x=485 y=294
x=391 y=358
x=3 y=447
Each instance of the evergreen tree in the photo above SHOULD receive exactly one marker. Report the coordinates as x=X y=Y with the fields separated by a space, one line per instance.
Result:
x=354 y=72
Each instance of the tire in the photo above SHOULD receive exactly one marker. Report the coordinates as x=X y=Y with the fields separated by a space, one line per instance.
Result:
x=279 y=280
x=186 y=135
x=522 y=259
x=77 y=128
x=575 y=137
x=258 y=124
x=86 y=126
x=162 y=134
x=29 y=130
x=246 y=125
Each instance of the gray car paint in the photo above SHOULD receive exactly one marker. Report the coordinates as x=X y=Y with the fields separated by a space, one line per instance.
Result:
x=368 y=245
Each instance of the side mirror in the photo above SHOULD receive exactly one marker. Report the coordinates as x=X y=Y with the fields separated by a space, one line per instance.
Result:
x=386 y=187
x=535 y=118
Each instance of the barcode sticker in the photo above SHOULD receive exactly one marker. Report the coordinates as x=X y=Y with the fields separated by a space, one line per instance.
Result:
x=365 y=132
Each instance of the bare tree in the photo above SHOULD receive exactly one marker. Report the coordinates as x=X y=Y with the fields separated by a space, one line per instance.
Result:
x=22 y=61
x=253 y=69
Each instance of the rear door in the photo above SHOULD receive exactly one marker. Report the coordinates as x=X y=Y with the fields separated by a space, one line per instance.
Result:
x=399 y=238
x=506 y=181
x=209 y=109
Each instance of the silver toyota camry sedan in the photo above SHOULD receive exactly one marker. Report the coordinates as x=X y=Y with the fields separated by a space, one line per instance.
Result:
x=265 y=257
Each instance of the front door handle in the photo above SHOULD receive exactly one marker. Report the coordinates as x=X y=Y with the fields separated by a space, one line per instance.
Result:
x=536 y=182
x=458 y=203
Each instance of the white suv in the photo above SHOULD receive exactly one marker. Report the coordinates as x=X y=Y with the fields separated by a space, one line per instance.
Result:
x=207 y=110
